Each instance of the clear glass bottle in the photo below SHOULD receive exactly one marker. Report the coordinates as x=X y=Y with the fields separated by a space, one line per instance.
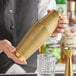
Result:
x=69 y=36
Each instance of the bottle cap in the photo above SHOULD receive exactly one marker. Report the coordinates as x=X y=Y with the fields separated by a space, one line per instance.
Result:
x=61 y=1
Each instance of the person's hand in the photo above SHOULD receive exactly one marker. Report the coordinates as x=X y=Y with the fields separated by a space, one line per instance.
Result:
x=10 y=51
x=62 y=24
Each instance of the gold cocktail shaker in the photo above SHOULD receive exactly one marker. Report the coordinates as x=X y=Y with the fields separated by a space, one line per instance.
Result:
x=37 y=35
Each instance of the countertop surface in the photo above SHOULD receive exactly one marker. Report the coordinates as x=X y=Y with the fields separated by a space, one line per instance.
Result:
x=31 y=75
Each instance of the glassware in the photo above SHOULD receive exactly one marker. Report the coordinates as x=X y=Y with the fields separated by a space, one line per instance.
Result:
x=46 y=65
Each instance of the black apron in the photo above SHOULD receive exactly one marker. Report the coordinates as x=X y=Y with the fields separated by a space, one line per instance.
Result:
x=17 y=20
x=5 y=62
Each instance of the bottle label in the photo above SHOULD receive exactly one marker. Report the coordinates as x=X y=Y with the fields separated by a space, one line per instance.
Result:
x=61 y=8
x=69 y=38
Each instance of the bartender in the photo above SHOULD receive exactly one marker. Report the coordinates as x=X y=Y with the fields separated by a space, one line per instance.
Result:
x=16 y=17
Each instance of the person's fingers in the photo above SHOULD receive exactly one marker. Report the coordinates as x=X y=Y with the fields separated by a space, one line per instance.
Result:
x=8 y=53
x=13 y=57
x=19 y=61
x=64 y=16
x=59 y=30
x=63 y=21
x=16 y=59
x=9 y=46
x=9 y=50
x=12 y=49
x=6 y=42
x=54 y=35
x=62 y=26
x=48 y=11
